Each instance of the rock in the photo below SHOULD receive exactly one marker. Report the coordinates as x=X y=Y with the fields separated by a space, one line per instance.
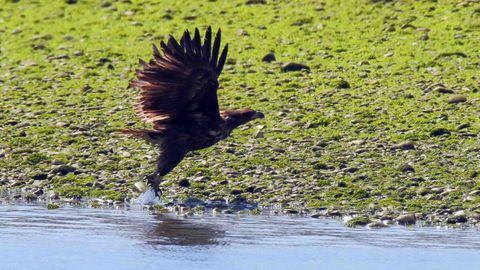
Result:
x=376 y=225
x=342 y=184
x=457 y=99
x=341 y=84
x=270 y=57
x=58 y=57
x=40 y=176
x=315 y=215
x=290 y=211
x=442 y=89
x=184 y=183
x=140 y=186
x=255 y=2
x=236 y=192
x=291 y=66
x=439 y=132
x=242 y=32
x=105 y=4
x=63 y=169
x=358 y=221
x=406 y=168
x=406 y=219
x=424 y=36
x=404 y=146
x=192 y=202
x=457 y=217
x=463 y=126
x=259 y=134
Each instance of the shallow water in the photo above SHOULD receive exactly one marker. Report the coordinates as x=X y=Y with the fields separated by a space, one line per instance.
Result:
x=32 y=237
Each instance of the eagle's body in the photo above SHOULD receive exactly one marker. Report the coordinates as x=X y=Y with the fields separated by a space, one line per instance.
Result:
x=179 y=96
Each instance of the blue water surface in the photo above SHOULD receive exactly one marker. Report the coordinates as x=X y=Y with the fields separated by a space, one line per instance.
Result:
x=32 y=237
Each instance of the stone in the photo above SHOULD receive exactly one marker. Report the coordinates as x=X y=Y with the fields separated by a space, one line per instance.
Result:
x=341 y=84
x=255 y=2
x=184 y=183
x=291 y=66
x=357 y=221
x=404 y=146
x=406 y=168
x=457 y=99
x=269 y=57
x=63 y=169
x=439 y=132
x=140 y=186
x=376 y=225
x=406 y=219
x=457 y=217
x=290 y=211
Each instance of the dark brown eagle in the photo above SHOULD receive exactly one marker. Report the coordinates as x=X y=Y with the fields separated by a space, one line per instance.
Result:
x=179 y=96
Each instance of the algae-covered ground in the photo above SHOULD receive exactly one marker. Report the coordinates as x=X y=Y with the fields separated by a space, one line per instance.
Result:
x=387 y=120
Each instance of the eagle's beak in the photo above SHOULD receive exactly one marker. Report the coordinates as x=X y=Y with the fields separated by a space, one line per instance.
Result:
x=258 y=115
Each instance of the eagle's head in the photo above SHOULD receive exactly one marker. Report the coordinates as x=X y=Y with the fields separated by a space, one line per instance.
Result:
x=235 y=118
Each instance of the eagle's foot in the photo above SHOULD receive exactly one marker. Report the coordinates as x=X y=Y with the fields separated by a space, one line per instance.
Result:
x=154 y=181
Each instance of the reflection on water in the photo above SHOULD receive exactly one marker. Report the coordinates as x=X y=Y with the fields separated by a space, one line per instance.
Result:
x=168 y=230
x=32 y=237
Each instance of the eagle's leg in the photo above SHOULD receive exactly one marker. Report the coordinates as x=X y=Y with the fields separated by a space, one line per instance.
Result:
x=154 y=181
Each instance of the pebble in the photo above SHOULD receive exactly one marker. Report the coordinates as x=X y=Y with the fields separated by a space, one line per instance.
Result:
x=463 y=126
x=270 y=57
x=444 y=90
x=406 y=219
x=63 y=169
x=439 y=132
x=255 y=2
x=405 y=146
x=357 y=221
x=291 y=66
x=406 y=168
x=376 y=225
x=457 y=99
x=342 y=84
x=140 y=186
x=184 y=183
x=457 y=217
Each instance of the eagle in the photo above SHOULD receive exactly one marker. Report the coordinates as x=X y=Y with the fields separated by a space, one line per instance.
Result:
x=178 y=96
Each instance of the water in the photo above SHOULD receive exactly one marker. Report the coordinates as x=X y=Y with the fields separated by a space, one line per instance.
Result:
x=32 y=237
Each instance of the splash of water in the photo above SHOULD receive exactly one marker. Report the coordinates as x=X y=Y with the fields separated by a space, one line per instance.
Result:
x=147 y=198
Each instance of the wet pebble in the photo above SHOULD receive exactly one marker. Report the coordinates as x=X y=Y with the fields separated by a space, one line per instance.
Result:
x=357 y=221
x=406 y=219
x=376 y=225
x=457 y=217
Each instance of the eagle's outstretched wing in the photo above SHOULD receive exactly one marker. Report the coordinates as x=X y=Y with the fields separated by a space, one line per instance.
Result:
x=182 y=80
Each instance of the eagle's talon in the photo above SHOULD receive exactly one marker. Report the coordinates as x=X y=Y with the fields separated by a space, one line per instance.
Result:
x=154 y=181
